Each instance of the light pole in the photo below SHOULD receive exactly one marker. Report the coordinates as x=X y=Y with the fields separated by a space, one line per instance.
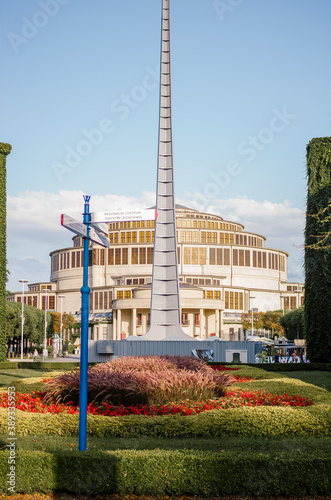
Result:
x=61 y=297
x=45 y=335
x=251 y=298
x=23 y=282
x=283 y=297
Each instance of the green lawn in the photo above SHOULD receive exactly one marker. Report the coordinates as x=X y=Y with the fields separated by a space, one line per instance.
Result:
x=319 y=378
x=10 y=377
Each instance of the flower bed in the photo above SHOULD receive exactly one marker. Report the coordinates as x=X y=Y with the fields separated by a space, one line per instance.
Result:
x=233 y=399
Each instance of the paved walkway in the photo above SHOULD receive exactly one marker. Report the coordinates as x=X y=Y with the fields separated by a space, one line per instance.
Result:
x=71 y=358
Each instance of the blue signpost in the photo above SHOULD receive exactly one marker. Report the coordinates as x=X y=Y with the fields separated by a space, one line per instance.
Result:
x=85 y=231
x=95 y=230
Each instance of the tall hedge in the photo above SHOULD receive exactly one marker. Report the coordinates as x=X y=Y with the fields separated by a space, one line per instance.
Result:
x=5 y=149
x=318 y=251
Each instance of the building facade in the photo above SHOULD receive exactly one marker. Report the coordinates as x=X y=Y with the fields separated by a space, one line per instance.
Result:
x=223 y=272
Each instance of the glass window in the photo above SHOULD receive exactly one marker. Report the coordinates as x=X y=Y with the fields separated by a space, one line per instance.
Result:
x=142 y=255
x=212 y=256
x=117 y=256
x=187 y=255
x=202 y=256
x=217 y=295
x=134 y=256
x=125 y=256
x=150 y=255
x=119 y=294
x=209 y=294
x=195 y=253
x=110 y=256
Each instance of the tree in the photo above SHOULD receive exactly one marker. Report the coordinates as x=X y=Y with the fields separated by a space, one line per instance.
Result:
x=271 y=321
x=246 y=320
x=5 y=150
x=68 y=321
x=34 y=323
x=317 y=309
x=293 y=323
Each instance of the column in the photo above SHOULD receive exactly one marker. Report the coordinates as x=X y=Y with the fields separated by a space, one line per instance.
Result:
x=114 y=323
x=134 y=321
x=217 y=322
x=202 y=324
x=119 y=324
x=144 y=322
x=191 y=323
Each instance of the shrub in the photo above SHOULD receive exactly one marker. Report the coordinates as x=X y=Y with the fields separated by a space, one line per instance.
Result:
x=145 y=380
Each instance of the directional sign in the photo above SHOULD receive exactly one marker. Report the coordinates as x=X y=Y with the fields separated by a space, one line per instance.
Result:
x=125 y=215
x=99 y=238
x=100 y=227
x=73 y=225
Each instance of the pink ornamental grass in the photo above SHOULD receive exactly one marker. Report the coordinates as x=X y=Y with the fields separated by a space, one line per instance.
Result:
x=142 y=380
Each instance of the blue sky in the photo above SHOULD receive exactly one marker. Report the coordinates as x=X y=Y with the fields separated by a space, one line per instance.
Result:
x=251 y=87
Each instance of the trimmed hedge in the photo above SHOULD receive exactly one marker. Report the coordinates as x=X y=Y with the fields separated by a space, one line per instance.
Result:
x=318 y=250
x=5 y=150
x=293 y=367
x=162 y=472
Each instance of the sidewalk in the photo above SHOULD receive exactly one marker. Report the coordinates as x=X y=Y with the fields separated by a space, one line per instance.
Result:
x=71 y=358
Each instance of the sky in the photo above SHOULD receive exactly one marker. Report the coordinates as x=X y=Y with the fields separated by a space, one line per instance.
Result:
x=79 y=105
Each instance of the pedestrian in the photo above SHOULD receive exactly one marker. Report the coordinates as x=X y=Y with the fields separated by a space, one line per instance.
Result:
x=35 y=355
x=277 y=357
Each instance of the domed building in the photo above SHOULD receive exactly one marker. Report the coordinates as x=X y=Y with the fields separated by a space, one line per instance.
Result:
x=223 y=272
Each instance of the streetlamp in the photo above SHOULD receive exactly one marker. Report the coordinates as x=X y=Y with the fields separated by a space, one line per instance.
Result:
x=45 y=336
x=61 y=297
x=298 y=292
x=22 y=281
x=283 y=297
x=250 y=298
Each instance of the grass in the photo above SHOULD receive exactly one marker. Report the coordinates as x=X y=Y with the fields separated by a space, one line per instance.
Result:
x=10 y=377
x=318 y=378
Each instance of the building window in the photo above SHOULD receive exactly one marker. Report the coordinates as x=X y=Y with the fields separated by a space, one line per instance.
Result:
x=134 y=236
x=110 y=256
x=142 y=255
x=235 y=257
x=117 y=256
x=197 y=319
x=202 y=256
x=195 y=254
x=187 y=255
x=127 y=294
x=150 y=255
x=139 y=321
x=209 y=294
x=185 y=319
x=217 y=295
x=125 y=256
x=119 y=294
x=134 y=256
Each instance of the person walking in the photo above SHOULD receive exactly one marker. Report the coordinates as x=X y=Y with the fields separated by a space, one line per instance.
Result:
x=35 y=355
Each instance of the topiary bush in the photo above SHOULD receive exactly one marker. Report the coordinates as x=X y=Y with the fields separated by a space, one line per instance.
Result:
x=5 y=149
x=142 y=380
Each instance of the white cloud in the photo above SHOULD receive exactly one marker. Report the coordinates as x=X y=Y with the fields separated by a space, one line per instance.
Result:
x=34 y=230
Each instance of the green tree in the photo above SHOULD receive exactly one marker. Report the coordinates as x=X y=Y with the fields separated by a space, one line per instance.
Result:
x=68 y=321
x=5 y=150
x=317 y=309
x=246 y=321
x=34 y=323
x=293 y=323
x=271 y=321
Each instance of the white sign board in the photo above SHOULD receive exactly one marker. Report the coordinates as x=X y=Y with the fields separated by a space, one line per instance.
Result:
x=125 y=215
x=99 y=238
x=100 y=227
x=73 y=225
